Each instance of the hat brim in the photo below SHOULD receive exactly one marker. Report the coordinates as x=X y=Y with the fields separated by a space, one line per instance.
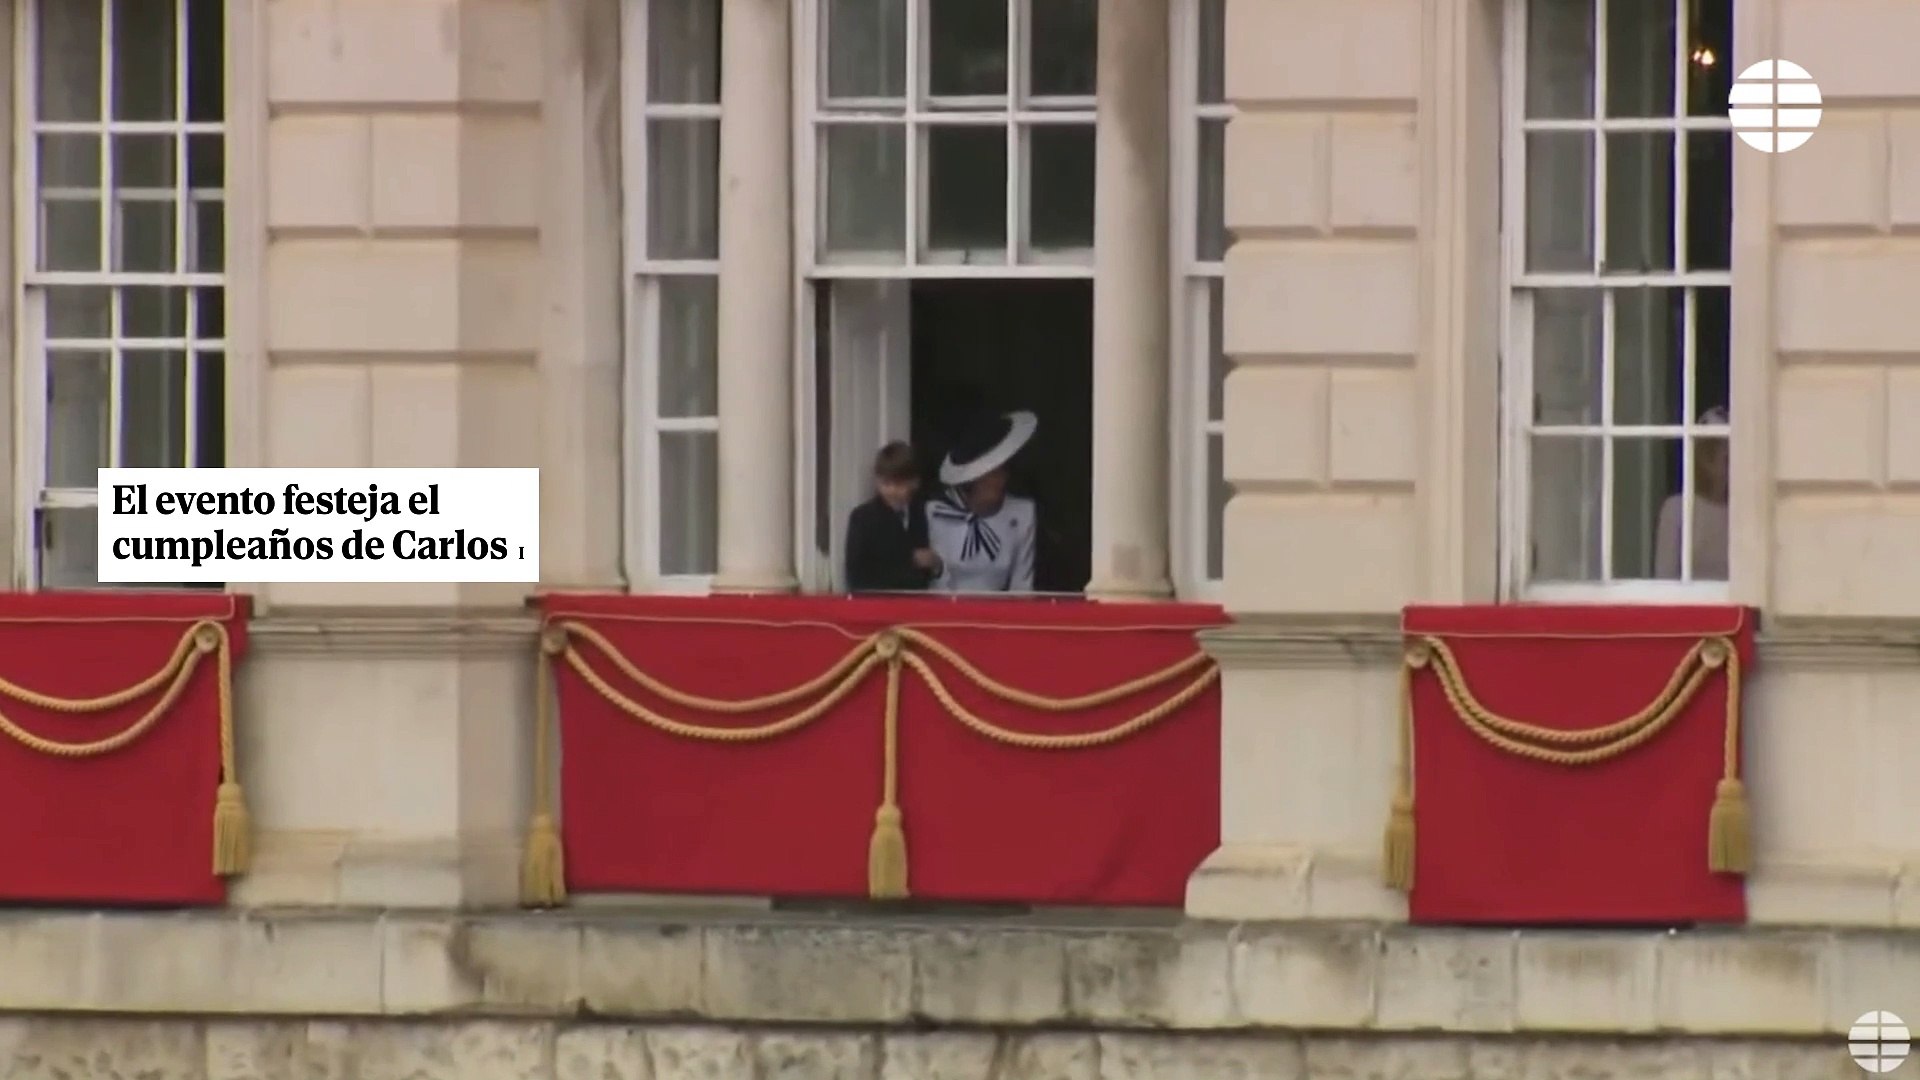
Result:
x=1021 y=426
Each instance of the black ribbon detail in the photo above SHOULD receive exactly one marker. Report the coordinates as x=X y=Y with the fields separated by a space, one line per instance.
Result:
x=980 y=539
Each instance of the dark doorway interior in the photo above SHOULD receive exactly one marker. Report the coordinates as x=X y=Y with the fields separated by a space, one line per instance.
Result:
x=1014 y=344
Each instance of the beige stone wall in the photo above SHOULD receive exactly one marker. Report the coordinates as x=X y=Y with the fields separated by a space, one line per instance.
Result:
x=429 y=295
x=1322 y=309
x=1846 y=329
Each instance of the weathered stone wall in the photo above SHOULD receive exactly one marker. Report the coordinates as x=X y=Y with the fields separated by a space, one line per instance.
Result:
x=620 y=996
x=48 y=1049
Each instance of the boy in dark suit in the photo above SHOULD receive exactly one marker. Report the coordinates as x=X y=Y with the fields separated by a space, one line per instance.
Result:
x=887 y=535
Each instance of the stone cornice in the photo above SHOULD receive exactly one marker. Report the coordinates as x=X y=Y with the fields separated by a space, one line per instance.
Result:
x=374 y=634
x=1255 y=642
x=1310 y=641
x=1033 y=972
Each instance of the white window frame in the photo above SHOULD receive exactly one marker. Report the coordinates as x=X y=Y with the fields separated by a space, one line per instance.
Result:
x=1517 y=366
x=815 y=116
x=33 y=496
x=640 y=293
x=1191 y=424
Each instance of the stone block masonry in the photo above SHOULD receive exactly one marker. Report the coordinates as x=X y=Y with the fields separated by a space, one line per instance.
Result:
x=620 y=996
x=532 y=1050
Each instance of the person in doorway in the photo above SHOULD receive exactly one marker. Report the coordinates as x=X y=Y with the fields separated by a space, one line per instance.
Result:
x=984 y=537
x=1709 y=513
x=887 y=547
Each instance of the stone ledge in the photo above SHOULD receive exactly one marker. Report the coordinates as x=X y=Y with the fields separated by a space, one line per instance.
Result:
x=118 y=1049
x=1039 y=972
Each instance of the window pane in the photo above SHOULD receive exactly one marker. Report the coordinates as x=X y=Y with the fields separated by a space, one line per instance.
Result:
x=865 y=168
x=68 y=59
x=1564 y=508
x=1210 y=190
x=153 y=409
x=1645 y=473
x=1709 y=200
x=78 y=312
x=689 y=502
x=689 y=347
x=210 y=410
x=1213 y=50
x=1710 y=75
x=69 y=234
x=1560 y=201
x=77 y=393
x=1560 y=58
x=69 y=541
x=966 y=48
x=209 y=313
x=866 y=48
x=1648 y=355
x=206 y=55
x=1217 y=494
x=967 y=188
x=683 y=178
x=1062 y=48
x=1639 y=202
x=1567 y=379
x=1060 y=170
x=1216 y=354
x=206 y=182
x=683 y=51
x=144 y=203
x=1712 y=325
x=153 y=311
x=144 y=53
x=70 y=161
x=1640 y=57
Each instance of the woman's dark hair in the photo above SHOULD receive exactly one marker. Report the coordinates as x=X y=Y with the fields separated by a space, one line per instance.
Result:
x=895 y=462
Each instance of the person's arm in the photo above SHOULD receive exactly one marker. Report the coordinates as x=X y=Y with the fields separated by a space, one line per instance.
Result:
x=1022 y=577
x=1666 y=540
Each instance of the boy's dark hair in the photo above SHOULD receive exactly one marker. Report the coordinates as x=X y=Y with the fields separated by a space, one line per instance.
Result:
x=895 y=462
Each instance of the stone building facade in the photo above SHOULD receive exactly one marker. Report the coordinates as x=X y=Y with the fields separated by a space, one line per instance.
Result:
x=494 y=232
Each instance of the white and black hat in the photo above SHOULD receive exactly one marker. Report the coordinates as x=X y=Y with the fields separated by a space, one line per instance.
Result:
x=986 y=444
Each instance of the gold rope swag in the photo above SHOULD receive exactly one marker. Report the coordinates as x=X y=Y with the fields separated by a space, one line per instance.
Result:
x=231 y=848
x=543 y=873
x=1728 y=837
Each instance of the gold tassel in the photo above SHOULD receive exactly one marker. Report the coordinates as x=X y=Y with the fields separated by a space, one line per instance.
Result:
x=232 y=831
x=543 y=867
x=1396 y=868
x=232 y=826
x=543 y=862
x=1398 y=856
x=887 y=856
x=1729 y=835
x=887 y=850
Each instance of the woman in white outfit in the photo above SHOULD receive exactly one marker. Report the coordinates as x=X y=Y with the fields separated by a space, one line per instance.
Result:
x=984 y=537
x=1709 y=513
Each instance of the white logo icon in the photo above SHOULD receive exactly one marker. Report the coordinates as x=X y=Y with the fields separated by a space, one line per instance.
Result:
x=1774 y=106
x=1879 y=1042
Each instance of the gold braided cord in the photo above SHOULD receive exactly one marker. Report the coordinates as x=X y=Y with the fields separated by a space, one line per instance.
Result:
x=1728 y=844
x=1541 y=743
x=836 y=673
x=543 y=873
x=232 y=850
x=176 y=674
x=1078 y=741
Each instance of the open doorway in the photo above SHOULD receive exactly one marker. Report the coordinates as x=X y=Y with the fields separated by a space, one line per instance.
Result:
x=911 y=359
